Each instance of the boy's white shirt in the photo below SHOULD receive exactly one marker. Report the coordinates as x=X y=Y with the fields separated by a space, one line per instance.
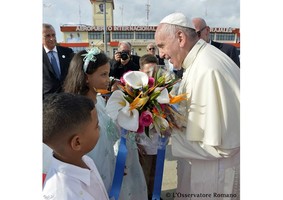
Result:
x=69 y=182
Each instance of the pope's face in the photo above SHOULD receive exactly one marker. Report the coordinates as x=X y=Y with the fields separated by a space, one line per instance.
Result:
x=168 y=46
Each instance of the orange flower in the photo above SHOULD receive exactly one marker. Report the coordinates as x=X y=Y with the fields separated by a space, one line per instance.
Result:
x=138 y=102
x=102 y=91
x=157 y=113
x=177 y=99
x=126 y=89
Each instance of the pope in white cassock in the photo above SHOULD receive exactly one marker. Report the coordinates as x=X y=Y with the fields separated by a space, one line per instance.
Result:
x=208 y=147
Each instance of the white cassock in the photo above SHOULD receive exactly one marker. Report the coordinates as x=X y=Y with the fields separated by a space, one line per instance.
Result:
x=209 y=147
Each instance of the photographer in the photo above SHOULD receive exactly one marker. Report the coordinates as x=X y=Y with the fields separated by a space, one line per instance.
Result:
x=122 y=61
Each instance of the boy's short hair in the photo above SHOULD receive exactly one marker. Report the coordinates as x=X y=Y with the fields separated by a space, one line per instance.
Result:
x=63 y=114
x=148 y=58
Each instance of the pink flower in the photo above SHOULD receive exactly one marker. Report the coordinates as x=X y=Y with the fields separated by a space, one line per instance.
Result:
x=122 y=79
x=163 y=106
x=140 y=129
x=145 y=118
x=151 y=82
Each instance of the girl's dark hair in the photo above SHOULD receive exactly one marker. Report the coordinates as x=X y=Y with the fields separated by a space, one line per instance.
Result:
x=75 y=81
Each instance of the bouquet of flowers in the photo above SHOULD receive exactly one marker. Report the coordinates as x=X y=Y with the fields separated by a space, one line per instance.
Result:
x=144 y=102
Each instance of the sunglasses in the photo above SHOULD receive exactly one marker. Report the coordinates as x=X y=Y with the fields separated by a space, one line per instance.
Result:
x=199 y=32
x=151 y=49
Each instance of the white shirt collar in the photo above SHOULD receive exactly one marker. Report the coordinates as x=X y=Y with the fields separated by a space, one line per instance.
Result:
x=47 y=50
x=74 y=171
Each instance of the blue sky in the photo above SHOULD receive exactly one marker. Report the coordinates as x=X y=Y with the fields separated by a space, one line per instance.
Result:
x=217 y=13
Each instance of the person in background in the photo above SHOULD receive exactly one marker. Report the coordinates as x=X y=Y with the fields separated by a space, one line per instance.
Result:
x=177 y=70
x=148 y=147
x=122 y=61
x=134 y=57
x=148 y=64
x=203 y=32
x=70 y=129
x=79 y=39
x=151 y=49
x=208 y=147
x=56 y=60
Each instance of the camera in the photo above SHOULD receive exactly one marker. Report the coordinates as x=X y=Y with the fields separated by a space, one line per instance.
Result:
x=124 y=55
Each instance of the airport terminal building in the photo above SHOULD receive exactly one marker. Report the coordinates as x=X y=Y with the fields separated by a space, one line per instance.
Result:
x=83 y=36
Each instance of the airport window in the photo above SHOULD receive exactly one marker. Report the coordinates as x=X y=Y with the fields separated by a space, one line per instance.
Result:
x=107 y=36
x=122 y=35
x=225 y=37
x=95 y=35
x=212 y=36
x=145 y=35
x=77 y=49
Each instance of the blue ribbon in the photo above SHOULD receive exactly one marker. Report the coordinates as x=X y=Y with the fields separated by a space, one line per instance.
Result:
x=119 y=168
x=159 y=167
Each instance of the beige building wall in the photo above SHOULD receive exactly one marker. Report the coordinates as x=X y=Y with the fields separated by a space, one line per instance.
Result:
x=98 y=15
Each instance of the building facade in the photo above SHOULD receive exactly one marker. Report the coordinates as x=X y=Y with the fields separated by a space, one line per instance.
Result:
x=81 y=36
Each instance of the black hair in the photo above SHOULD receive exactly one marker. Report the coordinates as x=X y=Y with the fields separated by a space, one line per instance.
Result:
x=63 y=113
x=75 y=81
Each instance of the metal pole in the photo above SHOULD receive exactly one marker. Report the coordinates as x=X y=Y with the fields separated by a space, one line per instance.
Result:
x=105 y=36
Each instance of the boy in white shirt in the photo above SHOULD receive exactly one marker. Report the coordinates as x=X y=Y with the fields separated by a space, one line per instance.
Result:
x=70 y=128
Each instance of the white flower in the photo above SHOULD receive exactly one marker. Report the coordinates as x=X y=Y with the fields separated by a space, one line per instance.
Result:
x=160 y=124
x=136 y=79
x=163 y=98
x=118 y=108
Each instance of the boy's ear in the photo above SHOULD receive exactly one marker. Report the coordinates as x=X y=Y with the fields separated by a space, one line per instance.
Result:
x=76 y=143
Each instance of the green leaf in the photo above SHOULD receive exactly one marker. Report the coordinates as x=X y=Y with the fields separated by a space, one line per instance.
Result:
x=154 y=95
x=146 y=130
x=128 y=98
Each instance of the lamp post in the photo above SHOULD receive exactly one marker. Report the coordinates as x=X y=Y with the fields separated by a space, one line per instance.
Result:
x=105 y=35
x=105 y=27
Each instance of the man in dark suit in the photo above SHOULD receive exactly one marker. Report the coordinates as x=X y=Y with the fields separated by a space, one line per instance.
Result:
x=204 y=33
x=230 y=50
x=56 y=60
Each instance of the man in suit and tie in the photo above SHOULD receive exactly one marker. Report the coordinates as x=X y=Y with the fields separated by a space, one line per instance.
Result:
x=204 y=33
x=56 y=60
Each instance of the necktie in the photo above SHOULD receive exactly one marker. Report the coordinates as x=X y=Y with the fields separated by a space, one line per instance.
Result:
x=54 y=64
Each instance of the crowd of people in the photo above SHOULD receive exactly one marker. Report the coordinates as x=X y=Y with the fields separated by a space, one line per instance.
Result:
x=80 y=140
